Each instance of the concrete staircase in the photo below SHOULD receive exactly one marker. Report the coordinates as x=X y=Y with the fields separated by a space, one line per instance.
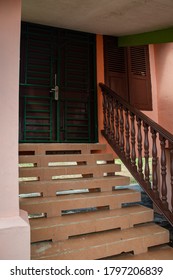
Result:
x=76 y=209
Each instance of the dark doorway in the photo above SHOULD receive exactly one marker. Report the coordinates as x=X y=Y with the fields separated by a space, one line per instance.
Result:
x=58 y=100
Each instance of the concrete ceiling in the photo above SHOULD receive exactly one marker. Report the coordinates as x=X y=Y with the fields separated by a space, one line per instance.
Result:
x=108 y=17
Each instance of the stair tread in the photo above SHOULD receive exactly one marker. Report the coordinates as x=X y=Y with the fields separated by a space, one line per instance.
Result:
x=82 y=180
x=162 y=252
x=51 y=187
x=71 y=197
x=47 y=173
x=91 y=166
x=66 y=157
x=68 y=248
x=89 y=216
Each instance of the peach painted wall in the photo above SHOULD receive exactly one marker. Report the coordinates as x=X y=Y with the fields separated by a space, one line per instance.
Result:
x=14 y=227
x=154 y=113
x=164 y=75
x=9 y=77
x=100 y=79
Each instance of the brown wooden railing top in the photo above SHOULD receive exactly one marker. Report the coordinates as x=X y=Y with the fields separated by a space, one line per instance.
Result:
x=166 y=134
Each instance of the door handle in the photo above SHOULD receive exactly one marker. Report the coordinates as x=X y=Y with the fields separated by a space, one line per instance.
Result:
x=55 y=91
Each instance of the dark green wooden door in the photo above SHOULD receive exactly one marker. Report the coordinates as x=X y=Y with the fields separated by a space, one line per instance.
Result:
x=64 y=60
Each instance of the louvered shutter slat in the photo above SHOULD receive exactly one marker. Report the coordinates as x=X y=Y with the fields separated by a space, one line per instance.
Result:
x=115 y=67
x=127 y=72
x=139 y=77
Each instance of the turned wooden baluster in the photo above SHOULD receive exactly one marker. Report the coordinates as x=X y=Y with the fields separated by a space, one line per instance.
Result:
x=139 y=139
x=171 y=171
x=163 y=172
x=104 y=113
x=146 y=154
x=133 y=140
x=127 y=129
x=154 y=164
x=108 y=116
x=117 y=123
x=112 y=120
x=121 y=130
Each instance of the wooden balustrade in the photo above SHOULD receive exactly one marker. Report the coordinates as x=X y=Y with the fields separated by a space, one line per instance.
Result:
x=136 y=139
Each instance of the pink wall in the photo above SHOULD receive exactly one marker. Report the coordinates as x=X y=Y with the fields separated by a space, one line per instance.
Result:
x=100 y=79
x=14 y=228
x=154 y=113
x=164 y=75
x=9 y=76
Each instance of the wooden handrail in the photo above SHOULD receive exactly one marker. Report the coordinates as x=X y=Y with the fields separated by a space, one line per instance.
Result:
x=136 y=138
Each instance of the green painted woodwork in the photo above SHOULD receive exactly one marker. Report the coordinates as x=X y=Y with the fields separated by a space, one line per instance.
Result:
x=37 y=127
x=77 y=122
x=46 y=51
x=153 y=37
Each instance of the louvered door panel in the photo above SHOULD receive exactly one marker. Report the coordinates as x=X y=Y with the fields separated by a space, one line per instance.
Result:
x=65 y=58
x=115 y=67
x=77 y=87
x=76 y=124
x=139 y=77
x=77 y=64
x=37 y=119
x=36 y=80
x=36 y=61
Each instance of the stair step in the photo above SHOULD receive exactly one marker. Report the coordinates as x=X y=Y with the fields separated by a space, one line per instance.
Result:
x=162 y=252
x=104 y=244
x=50 y=172
x=44 y=160
x=61 y=228
x=73 y=188
x=38 y=149
x=53 y=206
x=49 y=188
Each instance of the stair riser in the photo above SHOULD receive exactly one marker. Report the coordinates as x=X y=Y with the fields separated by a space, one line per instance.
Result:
x=48 y=173
x=50 y=188
x=43 y=149
x=62 y=232
x=54 y=208
x=141 y=245
x=45 y=160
